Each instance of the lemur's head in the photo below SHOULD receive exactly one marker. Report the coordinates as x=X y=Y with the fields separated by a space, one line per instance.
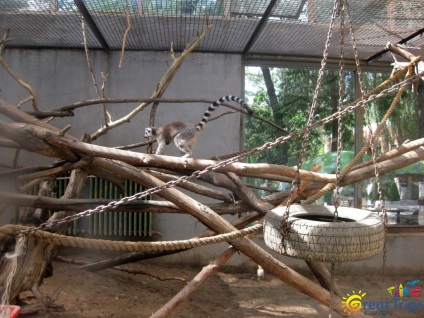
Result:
x=149 y=131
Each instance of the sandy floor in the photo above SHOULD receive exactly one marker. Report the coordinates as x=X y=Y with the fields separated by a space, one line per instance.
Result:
x=227 y=294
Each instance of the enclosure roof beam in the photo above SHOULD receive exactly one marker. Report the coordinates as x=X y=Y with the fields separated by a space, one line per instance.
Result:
x=259 y=27
x=406 y=40
x=91 y=23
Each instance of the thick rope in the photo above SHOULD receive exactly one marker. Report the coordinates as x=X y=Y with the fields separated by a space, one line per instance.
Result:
x=80 y=242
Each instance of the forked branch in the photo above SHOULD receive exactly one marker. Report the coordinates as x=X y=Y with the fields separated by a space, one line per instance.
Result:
x=162 y=86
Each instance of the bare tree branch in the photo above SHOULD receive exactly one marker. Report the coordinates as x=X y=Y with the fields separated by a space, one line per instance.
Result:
x=124 y=40
x=21 y=82
x=162 y=86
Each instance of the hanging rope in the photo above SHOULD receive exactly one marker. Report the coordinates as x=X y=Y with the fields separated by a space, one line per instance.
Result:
x=68 y=241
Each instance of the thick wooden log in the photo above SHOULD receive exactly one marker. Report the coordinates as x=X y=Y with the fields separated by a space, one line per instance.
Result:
x=220 y=225
x=80 y=205
x=402 y=149
x=400 y=51
x=194 y=284
x=28 y=137
x=195 y=187
x=140 y=159
x=36 y=255
x=324 y=278
x=317 y=268
x=384 y=167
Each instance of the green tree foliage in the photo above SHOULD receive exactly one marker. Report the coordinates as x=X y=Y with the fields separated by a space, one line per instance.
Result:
x=295 y=90
x=39 y=5
x=13 y=4
x=214 y=7
x=403 y=123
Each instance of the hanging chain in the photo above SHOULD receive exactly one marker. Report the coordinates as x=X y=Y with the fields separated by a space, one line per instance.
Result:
x=336 y=199
x=333 y=274
x=198 y=173
x=383 y=213
x=285 y=226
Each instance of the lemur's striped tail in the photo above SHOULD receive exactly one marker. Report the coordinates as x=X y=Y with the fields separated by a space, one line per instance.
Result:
x=218 y=102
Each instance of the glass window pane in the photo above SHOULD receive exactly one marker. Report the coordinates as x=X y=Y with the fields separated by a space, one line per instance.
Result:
x=401 y=188
x=284 y=97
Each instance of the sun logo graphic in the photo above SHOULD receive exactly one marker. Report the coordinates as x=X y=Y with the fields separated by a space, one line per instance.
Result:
x=353 y=303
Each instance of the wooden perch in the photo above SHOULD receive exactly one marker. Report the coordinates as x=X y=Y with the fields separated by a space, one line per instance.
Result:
x=28 y=137
x=178 y=163
x=208 y=270
x=124 y=165
x=36 y=256
x=196 y=188
x=194 y=284
x=80 y=205
x=220 y=225
x=399 y=50
x=46 y=114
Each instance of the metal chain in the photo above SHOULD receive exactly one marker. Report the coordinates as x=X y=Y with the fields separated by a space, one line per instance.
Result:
x=355 y=50
x=336 y=200
x=383 y=211
x=372 y=146
x=285 y=226
x=198 y=173
x=333 y=274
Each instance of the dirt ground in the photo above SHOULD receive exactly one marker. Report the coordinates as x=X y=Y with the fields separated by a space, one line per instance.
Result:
x=226 y=294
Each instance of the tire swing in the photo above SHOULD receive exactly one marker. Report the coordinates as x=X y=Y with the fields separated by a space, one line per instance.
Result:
x=326 y=233
x=313 y=234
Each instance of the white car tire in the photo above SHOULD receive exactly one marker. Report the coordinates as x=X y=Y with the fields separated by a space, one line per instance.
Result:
x=357 y=235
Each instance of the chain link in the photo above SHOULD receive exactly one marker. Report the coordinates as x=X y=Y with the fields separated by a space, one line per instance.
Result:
x=336 y=199
x=332 y=283
x=355 y=50
x=285 y=225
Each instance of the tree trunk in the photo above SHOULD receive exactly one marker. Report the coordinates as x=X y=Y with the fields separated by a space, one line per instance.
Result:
x=35 y=256
x=334 y=123
x=273 y=101
x=420 y=108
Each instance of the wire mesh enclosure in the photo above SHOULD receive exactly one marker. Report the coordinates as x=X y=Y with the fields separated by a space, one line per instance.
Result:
x=261 y=27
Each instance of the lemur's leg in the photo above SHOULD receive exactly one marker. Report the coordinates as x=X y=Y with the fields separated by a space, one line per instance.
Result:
x=184 y=145
x=161 y=145
x=185 y=141
x=184 y=148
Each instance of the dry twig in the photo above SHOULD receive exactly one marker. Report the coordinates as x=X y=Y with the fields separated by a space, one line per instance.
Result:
x=124 y=41
x=22 y=83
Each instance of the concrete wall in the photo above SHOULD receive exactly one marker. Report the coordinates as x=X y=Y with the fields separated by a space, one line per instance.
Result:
x=61 y=77
x=404 y=257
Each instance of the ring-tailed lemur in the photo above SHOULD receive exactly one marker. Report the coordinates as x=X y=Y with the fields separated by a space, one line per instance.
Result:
x=184 y=134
